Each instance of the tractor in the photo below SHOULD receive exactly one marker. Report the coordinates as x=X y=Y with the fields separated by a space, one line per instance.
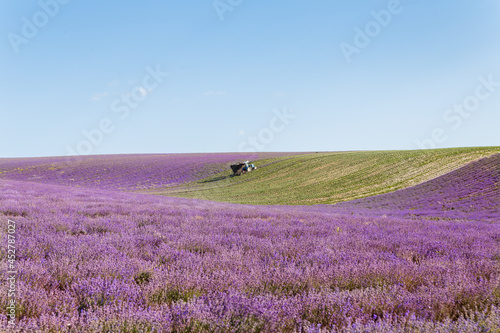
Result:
x=241 y=168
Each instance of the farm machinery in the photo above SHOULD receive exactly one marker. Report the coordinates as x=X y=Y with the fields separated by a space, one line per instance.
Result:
x=241 y=168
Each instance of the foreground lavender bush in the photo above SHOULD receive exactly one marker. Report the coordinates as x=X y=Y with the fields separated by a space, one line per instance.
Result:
x=99 y=261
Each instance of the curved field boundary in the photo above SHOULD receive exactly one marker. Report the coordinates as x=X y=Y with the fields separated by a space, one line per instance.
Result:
x=327 y=178
x=471 y=192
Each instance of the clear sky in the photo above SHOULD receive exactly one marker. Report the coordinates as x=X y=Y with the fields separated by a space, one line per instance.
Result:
x=79 y=77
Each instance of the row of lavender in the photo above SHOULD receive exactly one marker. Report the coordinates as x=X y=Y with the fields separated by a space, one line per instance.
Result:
x=93 y=260
x=124 y=172
x=469 y=193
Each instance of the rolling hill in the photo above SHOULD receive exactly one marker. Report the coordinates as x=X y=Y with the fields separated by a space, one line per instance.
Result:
x=281 y=179
x=328 y=178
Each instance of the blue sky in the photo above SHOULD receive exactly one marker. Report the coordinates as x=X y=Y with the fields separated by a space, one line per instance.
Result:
x=234 y=65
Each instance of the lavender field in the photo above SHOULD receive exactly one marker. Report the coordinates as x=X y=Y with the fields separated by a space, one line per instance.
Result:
x=122 y=172
x=422 y=259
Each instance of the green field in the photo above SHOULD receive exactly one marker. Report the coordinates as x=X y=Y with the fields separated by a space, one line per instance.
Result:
x=327 y=178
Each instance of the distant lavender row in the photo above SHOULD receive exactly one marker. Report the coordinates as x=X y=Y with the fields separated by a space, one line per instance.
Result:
x=124 y=172
x=469 y=193
x=95 y=260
